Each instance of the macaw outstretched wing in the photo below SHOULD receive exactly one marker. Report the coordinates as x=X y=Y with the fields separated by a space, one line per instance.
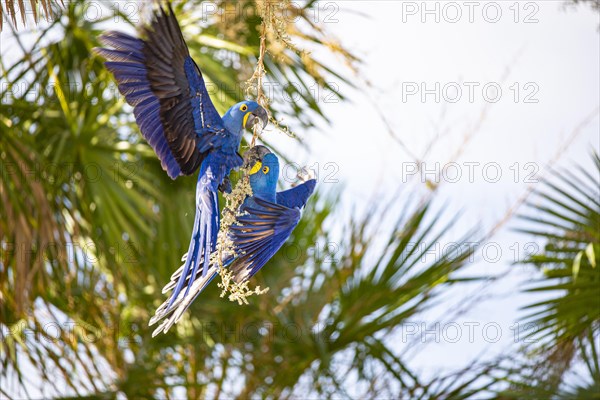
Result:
x=164 y=85
x=297 y=196
x=259 y=234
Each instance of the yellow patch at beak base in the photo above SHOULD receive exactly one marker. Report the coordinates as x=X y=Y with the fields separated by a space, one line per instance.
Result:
x=245 y=119
x=255 y=168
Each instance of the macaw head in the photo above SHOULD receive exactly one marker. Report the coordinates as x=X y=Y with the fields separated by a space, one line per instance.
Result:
x=264 y=171
x=245 y=114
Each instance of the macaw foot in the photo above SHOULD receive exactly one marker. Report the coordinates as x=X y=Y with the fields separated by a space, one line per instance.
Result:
x=304 y=175
x=225 y=186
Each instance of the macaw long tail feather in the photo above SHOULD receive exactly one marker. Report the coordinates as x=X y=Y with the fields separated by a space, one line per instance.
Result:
x=202 y=244
x=175 y=276
x=191 y=261
x=204 y=233
x=208 y=208
x=172 y=314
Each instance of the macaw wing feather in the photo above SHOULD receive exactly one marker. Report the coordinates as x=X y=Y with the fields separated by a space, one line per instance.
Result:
x=297 y=196
x=160 y=80
x=259 y=234
x=170 y=314
x=191 y=123
x=126 y=62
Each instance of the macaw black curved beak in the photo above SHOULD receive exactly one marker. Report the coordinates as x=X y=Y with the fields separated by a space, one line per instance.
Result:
x=258 y=116
x=254 y=154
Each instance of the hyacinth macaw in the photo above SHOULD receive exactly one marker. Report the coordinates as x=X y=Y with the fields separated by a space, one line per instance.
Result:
x=172 y=107
x=267 y=220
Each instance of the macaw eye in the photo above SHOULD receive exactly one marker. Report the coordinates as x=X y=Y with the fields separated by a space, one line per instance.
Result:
x=265 y=170
x=244 y=107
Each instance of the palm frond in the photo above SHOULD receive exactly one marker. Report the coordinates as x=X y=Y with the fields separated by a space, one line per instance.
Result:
x=566 y=215
x=24 y=8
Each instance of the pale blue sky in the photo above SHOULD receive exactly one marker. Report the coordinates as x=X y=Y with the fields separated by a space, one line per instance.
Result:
x=554 y=61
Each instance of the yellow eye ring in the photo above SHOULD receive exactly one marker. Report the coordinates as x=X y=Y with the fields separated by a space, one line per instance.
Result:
x=243 y=107
x=265 y=170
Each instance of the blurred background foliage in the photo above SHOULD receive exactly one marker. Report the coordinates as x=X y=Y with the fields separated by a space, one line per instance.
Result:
x=91 y=228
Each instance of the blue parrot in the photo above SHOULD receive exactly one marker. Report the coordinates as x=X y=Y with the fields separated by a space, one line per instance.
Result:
x=172 y=107
x=267 y=220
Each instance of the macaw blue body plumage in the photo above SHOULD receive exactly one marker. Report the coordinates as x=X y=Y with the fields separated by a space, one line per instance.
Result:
x=268 y=219
x=172 y=107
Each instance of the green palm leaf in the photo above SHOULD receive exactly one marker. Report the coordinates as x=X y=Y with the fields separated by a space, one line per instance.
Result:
x=566 y=215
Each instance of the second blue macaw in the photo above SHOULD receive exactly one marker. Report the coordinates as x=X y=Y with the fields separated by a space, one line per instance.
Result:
x=267 y=221
x=172 y=107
